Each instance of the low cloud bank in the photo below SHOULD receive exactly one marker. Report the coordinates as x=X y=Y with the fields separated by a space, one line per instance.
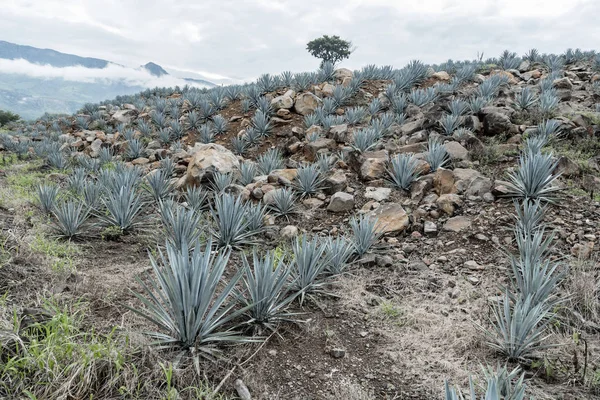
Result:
x=112 y=73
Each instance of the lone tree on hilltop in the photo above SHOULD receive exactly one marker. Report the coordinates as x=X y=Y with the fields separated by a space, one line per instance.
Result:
x=330 y=48
x=7 y=116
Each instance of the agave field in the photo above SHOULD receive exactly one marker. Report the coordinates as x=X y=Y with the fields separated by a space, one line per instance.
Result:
x=425 y=232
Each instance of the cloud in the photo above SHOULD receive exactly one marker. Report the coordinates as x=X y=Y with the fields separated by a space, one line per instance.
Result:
x=245 y=39
x=111 y=73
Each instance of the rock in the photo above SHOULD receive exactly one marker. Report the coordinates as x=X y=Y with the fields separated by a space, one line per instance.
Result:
x=443 y=181
x=583 y=251
x=377 y=193
x=289 y=232
x=312 y=202
x=242 y=390
x=411 y=127
x=342 y=73
x=457 y=224
x=337 y=353
x=563 y=83
x=456 y=151
x=327 y=89
x=336 y=182
x=472 y=265
x=496 y=123
x=285 y=101
x=567 y=167
x=533 y=74
x=123 y=116
x=430 y=228
x=341 y=202
x=311 y=149
x=373 y=164
x=413 y=148
x=95 y=148
x=441 y=76
x=286 y=115
x=269 y=195
x=391 y=218
x=339 y=133
x=208 y=159
x=288 y=174
x=449 y=203
x=306 y=103
x=501 y=188
x=140 y=161
x=419 y=188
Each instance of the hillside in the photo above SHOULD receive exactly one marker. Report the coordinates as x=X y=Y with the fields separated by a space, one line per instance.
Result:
x=341 y=234
x=30 y=96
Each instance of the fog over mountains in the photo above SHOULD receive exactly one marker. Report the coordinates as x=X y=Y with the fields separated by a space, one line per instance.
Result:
x=34 y=81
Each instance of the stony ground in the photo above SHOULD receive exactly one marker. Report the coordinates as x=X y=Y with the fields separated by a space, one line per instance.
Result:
x=402 y=319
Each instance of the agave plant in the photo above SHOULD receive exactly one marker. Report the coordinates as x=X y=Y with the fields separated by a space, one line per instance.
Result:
x=308 y=180
x=92 y=193
x=309 y=261
x=56 y=159
x=534 y=177
x=365 y=139
x=525 y=99
x=196 y=198
x=239 y=145
x=403 y=171
x=364 y=233
x=121 y=177
x=229 y=213
x=255 y=216
x=220 y=181
x=421 y=97
x=437 y=156
x=458 y=107
x=123 y=209
x=325 y=162
x=510 y=384
x=70 y=218
x=267 y=285
x=518 y=329
x=46 y=196
x=529 y=216
x=548 y=103
x=477 y=103
x=248 y=172
x=374 y=106
x=450 y=123
x=338 y=253
x=159 y=184
x=220 y=124
x=206 y=134
x=354 y=115
x=283 y=203
x=534 y=276
x=181 y=226
x=135 y=149
x=269 y=161
x=262 y=123
x=184 y=300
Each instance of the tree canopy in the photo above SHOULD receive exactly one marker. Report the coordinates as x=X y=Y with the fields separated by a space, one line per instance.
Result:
x=330 y=48
x=7 y=116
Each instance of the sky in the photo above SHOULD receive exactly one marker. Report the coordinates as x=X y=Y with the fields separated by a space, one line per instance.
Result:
x=232 y=41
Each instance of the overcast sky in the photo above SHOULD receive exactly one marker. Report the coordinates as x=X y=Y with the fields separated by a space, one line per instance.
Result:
x=243 y=39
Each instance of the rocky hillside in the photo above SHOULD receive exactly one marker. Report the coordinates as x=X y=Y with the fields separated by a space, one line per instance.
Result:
x=376 y=231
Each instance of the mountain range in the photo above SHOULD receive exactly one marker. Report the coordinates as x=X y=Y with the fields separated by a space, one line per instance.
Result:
x=34 y=81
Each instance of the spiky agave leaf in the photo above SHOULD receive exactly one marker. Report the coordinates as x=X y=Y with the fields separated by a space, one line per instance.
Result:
x=338 y=253
x=123 y=209
x=534 y=178
x=196 y=198
x=255 y=215
x=525 y=99
x=270 y=161
x=229 y=213
x=283 y=203
x=308 y=180
x=529 y=216
x=510 y=384
x=365 y=139
x=450 y=123
x=403 y=171
x=181 y=225
x=46 y=197
x=267 y=285
x=309 y=261
x=71 y=217
x=248 y=172
x=159 y=184
x=184 y=302
x=92 y=193
x=518 y=329
x=437 y=156
x=364 y=233
x=220 y=181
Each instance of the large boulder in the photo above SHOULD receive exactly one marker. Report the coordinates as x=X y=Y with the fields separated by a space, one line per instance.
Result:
x=306 y=103
x=285 y=101
x=391 y=218
x=496 y=123
x=207 y=159
x=123 y=116
x=341 y=202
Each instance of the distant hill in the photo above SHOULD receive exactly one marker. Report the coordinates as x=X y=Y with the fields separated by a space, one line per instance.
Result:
x=31 y=95
x=55 y=58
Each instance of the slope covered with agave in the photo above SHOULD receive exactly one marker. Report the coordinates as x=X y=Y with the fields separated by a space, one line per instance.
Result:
x=334 y=221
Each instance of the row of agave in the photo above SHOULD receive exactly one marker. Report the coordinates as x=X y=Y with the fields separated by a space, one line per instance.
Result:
x=522 y=314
